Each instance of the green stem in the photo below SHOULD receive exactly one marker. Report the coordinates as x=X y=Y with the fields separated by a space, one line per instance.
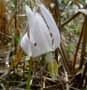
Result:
x=29 y=74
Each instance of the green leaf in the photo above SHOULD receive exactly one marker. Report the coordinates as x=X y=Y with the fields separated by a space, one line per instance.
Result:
x=65 y=1
x=70 y=48
x=53 y=69
x=85 y=88
x=16 y=39
x=52 y=66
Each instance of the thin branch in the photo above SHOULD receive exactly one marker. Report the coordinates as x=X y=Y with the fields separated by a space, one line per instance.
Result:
x=77 y=49
x=70 y=19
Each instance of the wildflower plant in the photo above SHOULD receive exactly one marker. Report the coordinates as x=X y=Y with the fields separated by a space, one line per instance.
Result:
x=41 y=37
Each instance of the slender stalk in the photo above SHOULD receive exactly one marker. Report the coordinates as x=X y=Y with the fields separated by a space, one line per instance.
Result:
x=63 y=52
x=84 y=43
x=77 y=49
x=83 y=76
x=29 y=74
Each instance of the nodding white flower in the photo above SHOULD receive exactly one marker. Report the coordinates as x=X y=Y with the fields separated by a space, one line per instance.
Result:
x=51 y=24
x=38 y=41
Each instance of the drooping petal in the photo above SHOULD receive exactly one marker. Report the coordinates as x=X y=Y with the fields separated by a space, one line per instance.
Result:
x=51 y=24
x=41 y=35
x=26 y=45
x=40 y=30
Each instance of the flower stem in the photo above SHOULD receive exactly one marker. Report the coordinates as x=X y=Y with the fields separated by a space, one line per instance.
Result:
x=29 y=74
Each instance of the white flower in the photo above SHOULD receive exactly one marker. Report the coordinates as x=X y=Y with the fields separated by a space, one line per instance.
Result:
x=51 y=24
x=39 y=40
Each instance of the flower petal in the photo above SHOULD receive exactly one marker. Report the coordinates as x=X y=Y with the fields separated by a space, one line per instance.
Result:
x=26 y=45
x=51 y=24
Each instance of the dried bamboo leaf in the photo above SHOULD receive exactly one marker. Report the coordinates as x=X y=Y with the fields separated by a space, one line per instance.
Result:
x=17 y=57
